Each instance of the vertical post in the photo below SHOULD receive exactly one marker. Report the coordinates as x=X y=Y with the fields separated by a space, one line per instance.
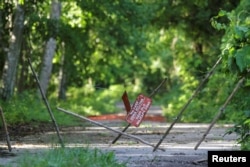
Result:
x=46 y=104
x=6 y=130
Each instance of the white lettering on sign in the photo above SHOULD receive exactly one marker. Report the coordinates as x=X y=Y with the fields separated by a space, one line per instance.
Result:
x=138 y=110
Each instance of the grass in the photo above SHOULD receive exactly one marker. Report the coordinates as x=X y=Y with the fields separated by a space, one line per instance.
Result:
x=65 y=157
x=27 y=108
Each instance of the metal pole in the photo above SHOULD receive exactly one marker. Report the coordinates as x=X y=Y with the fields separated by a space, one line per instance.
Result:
x=188 y=102
x=221 y=110
x=118 y=137
x=102 y=125
x=46 y=104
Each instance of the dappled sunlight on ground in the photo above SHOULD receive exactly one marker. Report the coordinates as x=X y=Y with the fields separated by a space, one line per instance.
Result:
x=179 y=144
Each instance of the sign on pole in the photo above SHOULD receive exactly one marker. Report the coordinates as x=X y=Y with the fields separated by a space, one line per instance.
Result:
x=138 y=110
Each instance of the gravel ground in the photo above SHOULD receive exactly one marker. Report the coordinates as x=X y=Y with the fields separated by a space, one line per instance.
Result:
x=179 y=144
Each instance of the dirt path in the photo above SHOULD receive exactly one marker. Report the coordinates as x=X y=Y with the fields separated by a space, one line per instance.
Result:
x=179 y=144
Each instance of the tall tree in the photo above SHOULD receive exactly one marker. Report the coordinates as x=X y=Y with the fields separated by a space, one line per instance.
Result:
x=50 y=47
x=10 y=67
x=62 y=77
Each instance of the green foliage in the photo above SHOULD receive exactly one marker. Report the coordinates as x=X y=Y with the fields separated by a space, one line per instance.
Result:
x=242 y=129
x=6 y=8
x=132 y=45
x=207 y=102
x=64 y=157
x=27 y=108
x=236 y=43
x=236 y=57
x=88 y=101
x=22 y=109
x=105 y=38
x=242 y=57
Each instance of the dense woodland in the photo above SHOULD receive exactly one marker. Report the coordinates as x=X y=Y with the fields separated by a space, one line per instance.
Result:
x=87 y=52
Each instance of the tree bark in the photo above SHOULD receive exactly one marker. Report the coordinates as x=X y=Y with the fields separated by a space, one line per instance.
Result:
x=23 y=80
x=62 y=78
x=47 y=63
x=50 y=48
x=1 y=43
x=10 y=66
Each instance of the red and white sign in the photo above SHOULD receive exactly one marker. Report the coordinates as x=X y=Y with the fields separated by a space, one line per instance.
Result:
x=138 y=110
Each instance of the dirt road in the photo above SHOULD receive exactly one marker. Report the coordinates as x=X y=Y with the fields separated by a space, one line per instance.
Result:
x=179 y=144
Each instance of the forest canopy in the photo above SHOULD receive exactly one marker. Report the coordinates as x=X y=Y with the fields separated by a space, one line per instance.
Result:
x=87 y=52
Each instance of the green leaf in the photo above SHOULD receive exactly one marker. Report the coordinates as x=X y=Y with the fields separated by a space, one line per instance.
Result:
x=247 y=122
x=243 y=58
x=247 y=113
x=240 y=32
x=21 y=2
x=222 y=13
x=247 y=82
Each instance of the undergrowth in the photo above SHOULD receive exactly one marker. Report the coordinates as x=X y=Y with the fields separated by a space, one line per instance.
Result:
x=65 y=157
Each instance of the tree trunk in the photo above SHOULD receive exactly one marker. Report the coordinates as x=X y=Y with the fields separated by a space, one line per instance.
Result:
x=47 y=64
x=1 y=43
x=49 y=48
x=10 y=66
x=62 y=77
x=62 y=86
x=23 y=79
